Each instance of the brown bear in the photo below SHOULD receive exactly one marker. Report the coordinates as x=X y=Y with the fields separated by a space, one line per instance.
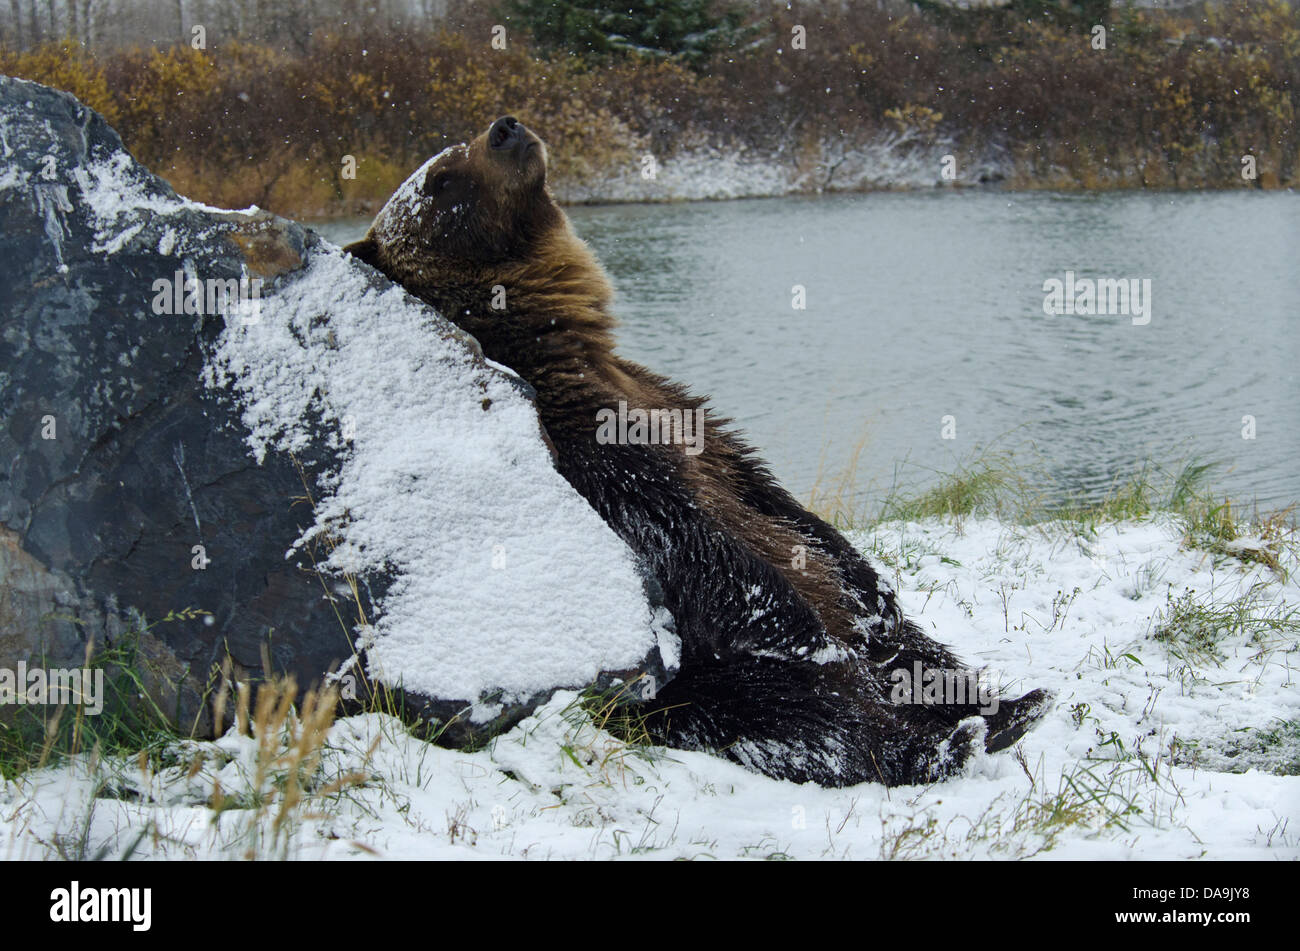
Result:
x=792 y=648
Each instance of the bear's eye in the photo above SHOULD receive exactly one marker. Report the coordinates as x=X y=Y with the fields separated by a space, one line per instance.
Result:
x=439 y=184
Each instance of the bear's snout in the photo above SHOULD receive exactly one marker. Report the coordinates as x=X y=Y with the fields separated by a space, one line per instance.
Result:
x=506 y=134
x=512 y=145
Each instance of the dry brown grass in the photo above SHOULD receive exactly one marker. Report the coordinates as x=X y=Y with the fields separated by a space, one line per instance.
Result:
x=1174 y=101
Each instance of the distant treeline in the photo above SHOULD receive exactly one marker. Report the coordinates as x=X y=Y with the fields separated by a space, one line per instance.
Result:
x=1172 y=100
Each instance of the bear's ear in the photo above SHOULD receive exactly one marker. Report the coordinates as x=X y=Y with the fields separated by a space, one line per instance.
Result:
x=364 y=250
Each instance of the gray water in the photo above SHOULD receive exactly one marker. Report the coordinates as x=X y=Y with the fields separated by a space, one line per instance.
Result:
x=923 y=305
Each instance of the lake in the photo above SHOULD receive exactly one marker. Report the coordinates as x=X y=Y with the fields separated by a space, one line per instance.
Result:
x=922 y=340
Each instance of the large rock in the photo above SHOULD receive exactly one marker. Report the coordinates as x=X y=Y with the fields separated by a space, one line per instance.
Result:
x=319 y=462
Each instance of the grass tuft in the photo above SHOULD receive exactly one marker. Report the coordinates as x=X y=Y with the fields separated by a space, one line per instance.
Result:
x=998 y=484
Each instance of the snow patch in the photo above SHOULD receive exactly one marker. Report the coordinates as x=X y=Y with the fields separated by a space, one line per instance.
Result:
x=506 y=582
x=121 y=198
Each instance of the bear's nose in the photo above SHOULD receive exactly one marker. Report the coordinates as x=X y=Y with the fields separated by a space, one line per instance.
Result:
x=506 y=133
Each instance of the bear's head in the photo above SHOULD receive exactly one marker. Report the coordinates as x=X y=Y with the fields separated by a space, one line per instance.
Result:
x=467 y=213
x=476 y=233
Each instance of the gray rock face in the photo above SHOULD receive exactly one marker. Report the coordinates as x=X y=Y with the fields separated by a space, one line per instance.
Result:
x=139 y=371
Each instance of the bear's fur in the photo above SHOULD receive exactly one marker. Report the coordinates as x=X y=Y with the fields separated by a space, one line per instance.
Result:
x=786 y=661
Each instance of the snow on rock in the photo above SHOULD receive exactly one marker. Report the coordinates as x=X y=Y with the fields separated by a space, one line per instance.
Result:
x=506 y=580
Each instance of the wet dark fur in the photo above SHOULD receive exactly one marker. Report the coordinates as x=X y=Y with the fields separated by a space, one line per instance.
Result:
x=715 y=530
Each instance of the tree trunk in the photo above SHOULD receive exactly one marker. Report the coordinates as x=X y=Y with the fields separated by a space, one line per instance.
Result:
x=16 y=11
x=87 y=22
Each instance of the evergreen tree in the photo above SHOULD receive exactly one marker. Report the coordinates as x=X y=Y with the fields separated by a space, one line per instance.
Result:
x=689 y=30
x=1077 y=15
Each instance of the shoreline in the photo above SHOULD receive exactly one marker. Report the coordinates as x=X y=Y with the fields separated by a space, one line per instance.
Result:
x=1003 y=187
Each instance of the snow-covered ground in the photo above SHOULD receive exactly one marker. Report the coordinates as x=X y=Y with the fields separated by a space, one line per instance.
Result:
x=700 y=171
x=1130 y=763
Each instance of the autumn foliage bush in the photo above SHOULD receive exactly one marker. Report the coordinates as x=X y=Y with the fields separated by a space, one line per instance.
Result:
x=1171 y=101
